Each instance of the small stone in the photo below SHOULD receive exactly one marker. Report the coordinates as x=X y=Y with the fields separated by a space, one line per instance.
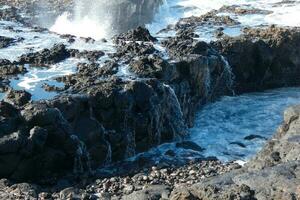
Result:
x=192 y=172
x=128 y=189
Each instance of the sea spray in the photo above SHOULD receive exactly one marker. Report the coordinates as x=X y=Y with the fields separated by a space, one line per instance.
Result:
x=89 y=19
x=102 y=18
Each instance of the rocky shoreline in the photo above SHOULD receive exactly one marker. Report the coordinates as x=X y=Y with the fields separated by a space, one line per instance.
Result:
x=100 y=117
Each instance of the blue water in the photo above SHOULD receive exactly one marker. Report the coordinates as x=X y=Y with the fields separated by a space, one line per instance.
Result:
x=221 y=127
x=231 y=119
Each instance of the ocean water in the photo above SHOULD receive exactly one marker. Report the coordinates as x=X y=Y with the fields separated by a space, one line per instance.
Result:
x=220 y=127
x=87 y=24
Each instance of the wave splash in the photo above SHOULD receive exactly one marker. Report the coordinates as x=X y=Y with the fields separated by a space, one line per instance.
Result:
x=89 y=18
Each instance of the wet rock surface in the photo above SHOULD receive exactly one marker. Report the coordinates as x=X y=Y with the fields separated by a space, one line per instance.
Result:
x=263 y=58
x=138 y=34
x=101 y=117
x=209 y=19
x=5 y=41
x=272 y=174
x=10 y=69
x=46 y=57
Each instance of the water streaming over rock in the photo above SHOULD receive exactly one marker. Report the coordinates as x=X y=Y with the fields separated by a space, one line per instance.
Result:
x=231 y=116
x=229 y=75
x=82 y=158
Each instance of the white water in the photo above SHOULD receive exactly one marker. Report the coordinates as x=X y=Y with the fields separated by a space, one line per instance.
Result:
x=217 y=125
x=286 y=14
x=37 y=76
x=233 y=118
x=90 y=18
x=37 y=41
x=230 y=120
x=82 y=27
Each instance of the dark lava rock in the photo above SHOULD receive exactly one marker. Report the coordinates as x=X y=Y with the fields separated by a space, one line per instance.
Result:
x=183 y=44
x=263 y=58
x=252 y=137
x=189 y=145
x=5 y=41
x=243 y=11
x=17 y=97
x=152 y=66
x=240 y=144
x=54 y=55
x=208 y=19
x=92 y=56
x=68 y=37
x=109 y=68
x=127 y=51
x=10 y=14
x=170 y=153
x=138 y=34
x=35 y=142
x=52 y=88
x=7 y=68
x=276 y=156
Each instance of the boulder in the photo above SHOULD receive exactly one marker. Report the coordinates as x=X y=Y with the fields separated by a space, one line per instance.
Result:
x=5 y=41
x=17 y=97
x=138 y=34
x=46 y=57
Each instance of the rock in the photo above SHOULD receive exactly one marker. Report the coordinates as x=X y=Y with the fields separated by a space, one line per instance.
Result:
x=183 y=45
x=170 y=153
x=262 y=61
x=10 y=118
x=240 y=144
x=138 y=34
x=128 y=189
x=253 y=137
x=208 y=19
x=243 y=11
x=92 y=56
x=5 y=41
x=68 y=193
x=8 y=69
x=52 y=88
x=272 y=174
x=284 y=146
x=127 y=51
x=18 y=97
x=35 y=142
x=152 y=66
x=149 y=193
x=190 y=146
x=46 y=57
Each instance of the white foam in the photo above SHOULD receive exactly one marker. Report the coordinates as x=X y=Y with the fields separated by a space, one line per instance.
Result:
x=32 y=41
x=280 y=14
x=36 y=77
x=83 y=27
x=89 y=19
x=231 y=119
